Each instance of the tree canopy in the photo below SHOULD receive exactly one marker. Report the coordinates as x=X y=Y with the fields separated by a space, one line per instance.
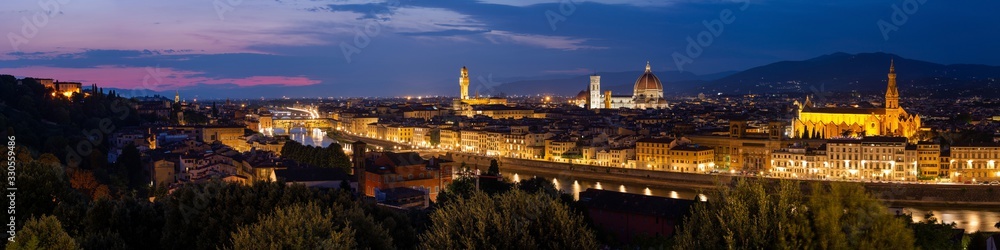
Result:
x=538 y=185
x=513 y=220
x=494 y=169
x=757 y=215
x=43 y=233
x=332 y=156
x=304 y=226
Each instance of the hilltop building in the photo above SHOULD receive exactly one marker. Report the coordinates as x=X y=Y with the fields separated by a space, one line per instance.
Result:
x=61 y=88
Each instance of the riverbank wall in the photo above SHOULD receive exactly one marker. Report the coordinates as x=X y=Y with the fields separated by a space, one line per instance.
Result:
x=894 y=194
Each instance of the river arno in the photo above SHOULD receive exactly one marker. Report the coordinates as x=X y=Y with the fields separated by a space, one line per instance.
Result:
x=968 y=219
x=979 y=219
x=314 y=137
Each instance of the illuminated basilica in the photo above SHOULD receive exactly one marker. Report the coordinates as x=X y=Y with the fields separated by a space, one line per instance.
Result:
x=647 y=94
x=830 y=122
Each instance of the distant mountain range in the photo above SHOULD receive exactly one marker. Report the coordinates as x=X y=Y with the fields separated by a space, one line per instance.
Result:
x=865 y=72
x=838 y=72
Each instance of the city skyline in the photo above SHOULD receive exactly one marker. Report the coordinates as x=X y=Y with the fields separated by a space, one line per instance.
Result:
x=298 y=48
x=500 y=124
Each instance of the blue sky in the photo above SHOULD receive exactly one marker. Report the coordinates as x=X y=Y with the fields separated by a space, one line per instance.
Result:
x=296 y=48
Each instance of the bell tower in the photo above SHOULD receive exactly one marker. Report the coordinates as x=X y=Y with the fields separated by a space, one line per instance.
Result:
x=359 y=149
x=595 y=92
x=463 y=83
x=892 y=110
x=891 y=94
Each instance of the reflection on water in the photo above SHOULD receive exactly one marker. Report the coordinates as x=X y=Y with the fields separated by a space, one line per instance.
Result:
x=970 y=220
x=315 y=137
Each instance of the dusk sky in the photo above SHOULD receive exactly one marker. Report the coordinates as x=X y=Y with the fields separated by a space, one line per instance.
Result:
x=296 y=48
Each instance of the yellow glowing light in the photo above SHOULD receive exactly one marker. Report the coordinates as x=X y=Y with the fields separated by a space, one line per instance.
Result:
x=68 y=93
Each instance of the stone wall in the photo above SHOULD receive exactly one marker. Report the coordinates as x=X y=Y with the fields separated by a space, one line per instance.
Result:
x=895 y=194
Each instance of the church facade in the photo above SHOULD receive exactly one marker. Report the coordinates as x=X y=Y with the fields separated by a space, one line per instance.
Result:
x=826 y=122
x=647 y=94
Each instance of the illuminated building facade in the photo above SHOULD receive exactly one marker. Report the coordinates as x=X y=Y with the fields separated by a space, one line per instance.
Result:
x=647 y=94
x=929 y=159
x=422 y=135
x=691 y=158
x=450 y=139
x=744 y=148
x=561 y=149
x=868 y=158
x=824 y=122
x=473 y=141
x=673 y=155
x=975 y=162
x=399 y=134
x=799 y=162
x=616 y=157
x=651 y=153
x=61 y=88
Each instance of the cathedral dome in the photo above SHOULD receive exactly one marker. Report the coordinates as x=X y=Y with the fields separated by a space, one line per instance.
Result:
x=648 y=81
x=583 y=95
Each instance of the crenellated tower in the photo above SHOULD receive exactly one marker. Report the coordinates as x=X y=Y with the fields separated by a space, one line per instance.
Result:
x=463 y=83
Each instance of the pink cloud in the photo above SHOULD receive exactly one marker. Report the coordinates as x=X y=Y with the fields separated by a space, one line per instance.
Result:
x=157 y=79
